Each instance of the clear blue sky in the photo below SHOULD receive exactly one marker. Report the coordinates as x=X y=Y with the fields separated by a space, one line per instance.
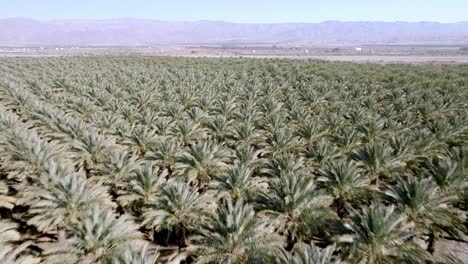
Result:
x=253 y=11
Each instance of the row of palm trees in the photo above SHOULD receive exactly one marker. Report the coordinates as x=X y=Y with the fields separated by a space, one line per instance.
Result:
x=140 y=160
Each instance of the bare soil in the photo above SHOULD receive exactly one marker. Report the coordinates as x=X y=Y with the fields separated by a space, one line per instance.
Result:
x=348 y=54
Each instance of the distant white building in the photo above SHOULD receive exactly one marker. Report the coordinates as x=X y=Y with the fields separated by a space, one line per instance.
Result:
x=306 y=51
x=253 y=51
x=358 y=49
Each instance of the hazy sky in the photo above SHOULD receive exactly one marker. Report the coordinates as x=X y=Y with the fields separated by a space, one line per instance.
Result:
x=253 y=11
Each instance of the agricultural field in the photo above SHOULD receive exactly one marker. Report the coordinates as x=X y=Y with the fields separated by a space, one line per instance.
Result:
x=134 y=159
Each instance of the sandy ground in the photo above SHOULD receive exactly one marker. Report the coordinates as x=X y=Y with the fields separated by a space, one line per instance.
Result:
x=406 y=59
x=350 y=58
x=420 y=56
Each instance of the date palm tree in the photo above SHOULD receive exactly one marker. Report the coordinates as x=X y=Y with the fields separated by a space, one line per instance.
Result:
x=378 y=160
x=146 y=255
x=307 y=254
x=99 y=237
x=283 y=166
x=187 y=132
x=234 y=235
x=239 y=182
x=178 y=208
x=219 y=127
x=321 y=152
x=310 y=131
x=201 y=162
x=281 y=141
x=297 y=209
x=25 y=153
x=164 y=153
x=142 y=186
x=61 y=200
x=245 y=133
x=448 y=174
x=116 y=168
x=346 y=183
x=141 y=139
x=248 y=156
x=379 y=234
x=90 y=150
x=427 y=207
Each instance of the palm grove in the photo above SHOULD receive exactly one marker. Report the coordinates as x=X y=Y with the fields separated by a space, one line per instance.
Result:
x=148 y=160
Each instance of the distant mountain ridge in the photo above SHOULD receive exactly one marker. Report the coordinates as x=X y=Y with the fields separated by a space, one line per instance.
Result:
x=144 y=32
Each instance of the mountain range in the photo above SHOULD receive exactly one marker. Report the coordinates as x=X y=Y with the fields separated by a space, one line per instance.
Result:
x=144 y=32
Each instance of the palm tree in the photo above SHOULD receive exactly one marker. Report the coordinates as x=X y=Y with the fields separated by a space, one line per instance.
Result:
x=378 y=160
x=142 y=187
x=219 y=127
x=99 y=237
x=321 y=153
x=15 y=98
x=298 y=210
x=273 y=123
x=107 y=122
x=141 y=139
x=142 y=98
x=226 y=108
x=55 y=124
x=146 y=255
x=177 y=209
x=25 y=153
x=238 y=181
x=163 y=126
x=307 y=254
x=281 y=141
x=346 y=183
x=381 y=235
x=116 y=168
x=90 y=150
x=148 y=118
x=234 y=235
x=61 y=199
x=129 y=112
x=173 y=111
x=202 y=161
x=346 y=139
x=186 y=131
x=448 y=175
x=427 y=207
x=164 y=153
x=283 y=166
x=270 y=105
x=372 y=129
x=196 y=115
x=245 y=133
x=332 y=121
x=356 y=114
x=311 y=131
x=248 y=156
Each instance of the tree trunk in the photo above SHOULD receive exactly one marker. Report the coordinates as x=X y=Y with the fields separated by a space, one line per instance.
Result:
x=87 y=169
x=431 y=244
x=181 y=238
x=290 y=244
x=340 y=208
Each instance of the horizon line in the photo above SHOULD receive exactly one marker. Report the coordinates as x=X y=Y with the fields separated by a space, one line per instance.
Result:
x=229 y=22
